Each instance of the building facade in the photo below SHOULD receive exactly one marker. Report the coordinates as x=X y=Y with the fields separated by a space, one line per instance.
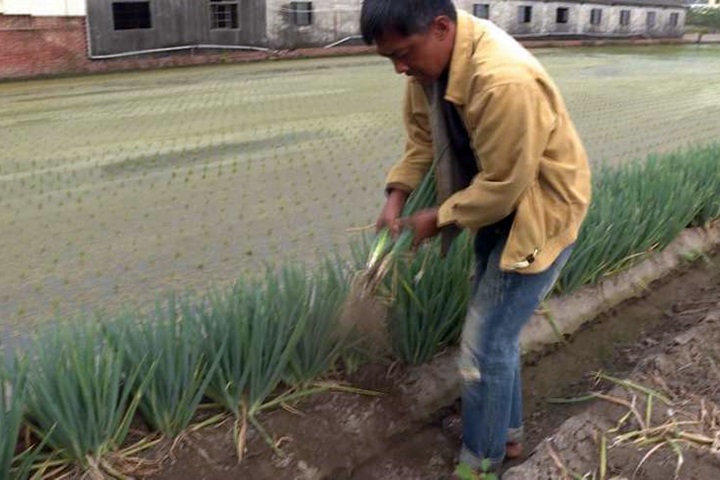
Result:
x=126 y=26
x=321 y=22
x=604 y=18
x=122 y=26
x=39 y=37
x=118 y=26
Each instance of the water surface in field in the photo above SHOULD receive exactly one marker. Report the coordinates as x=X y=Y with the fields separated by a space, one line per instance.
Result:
x=117 y=188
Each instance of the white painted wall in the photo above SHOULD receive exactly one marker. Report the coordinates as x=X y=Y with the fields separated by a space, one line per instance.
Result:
x=43 y=8
x=332 y=20
x=504 y=13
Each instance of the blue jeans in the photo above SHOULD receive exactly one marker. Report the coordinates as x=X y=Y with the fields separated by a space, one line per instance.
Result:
x=501 y=304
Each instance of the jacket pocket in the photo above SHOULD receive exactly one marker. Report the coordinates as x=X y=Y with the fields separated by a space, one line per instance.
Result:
x=537 y=220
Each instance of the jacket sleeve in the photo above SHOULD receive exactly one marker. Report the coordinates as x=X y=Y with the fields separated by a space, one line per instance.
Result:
x=509 y=126
x=417 y=159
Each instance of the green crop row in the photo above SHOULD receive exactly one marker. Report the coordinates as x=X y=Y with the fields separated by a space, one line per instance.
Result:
x=74 y=392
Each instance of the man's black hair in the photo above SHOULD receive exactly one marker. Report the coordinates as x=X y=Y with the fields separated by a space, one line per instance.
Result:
x=404 y=17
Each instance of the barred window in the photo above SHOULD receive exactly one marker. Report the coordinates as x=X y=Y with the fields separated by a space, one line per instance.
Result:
x=481 y=10
x=562 y=15
x=223 y=15
x=525 y=14
x=131 y=15
x=301 y=13
x=595 y=16
x=651 y=16
x=625 y=17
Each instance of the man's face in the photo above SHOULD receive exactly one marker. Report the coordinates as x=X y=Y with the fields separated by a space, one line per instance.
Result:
x=424 y=56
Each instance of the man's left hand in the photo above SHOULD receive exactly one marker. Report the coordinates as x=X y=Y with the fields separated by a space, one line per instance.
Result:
x=423 y=224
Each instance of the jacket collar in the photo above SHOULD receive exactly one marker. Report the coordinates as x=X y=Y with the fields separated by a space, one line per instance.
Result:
x=460 y=64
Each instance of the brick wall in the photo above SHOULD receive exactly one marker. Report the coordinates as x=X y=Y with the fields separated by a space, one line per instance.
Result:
x=31 y=46
x=41 y=46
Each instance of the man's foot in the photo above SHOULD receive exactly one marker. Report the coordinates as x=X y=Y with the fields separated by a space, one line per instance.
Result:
x=465 y=472
x=513 y=450
x=452 y=424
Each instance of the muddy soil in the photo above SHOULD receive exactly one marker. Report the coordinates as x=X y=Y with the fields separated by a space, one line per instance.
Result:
x=341 y=435
x=630 y=334
x=677 y=436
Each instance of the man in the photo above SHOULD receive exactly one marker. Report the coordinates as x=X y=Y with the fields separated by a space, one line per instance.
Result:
x=510 y=166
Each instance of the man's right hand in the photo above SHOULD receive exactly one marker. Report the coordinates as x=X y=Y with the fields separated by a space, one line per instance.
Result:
x=389 y=217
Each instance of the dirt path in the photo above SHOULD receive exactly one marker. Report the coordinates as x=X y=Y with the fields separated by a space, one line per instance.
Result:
x=340 y=436
x=614 y=344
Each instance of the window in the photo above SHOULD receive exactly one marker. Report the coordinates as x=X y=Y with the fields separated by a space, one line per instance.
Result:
x=131 y=15
x=674 y=19
x=223 y=14
x=562 y=15
x=301 y=13
x=624 y=18
x=595 y=16
x=481 y=10
x=650 y=21
x=525 y=14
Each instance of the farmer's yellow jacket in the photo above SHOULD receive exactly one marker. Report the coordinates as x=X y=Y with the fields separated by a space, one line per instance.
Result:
x=530 y=157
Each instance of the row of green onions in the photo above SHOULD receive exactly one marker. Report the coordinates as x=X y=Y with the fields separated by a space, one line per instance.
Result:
x=70 y=400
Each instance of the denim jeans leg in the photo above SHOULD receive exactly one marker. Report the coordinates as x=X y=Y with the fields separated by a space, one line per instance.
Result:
x=501 y=305
x=515 y=432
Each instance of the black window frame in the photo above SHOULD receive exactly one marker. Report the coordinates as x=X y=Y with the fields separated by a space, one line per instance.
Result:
x=525 y=14
x=562 y=15
x=224 y=15
x=135 y=15
x=480 y=8
x=625 y=18
x=301 y=13
x=651 y=19
x=674 y=19
x=596 y=15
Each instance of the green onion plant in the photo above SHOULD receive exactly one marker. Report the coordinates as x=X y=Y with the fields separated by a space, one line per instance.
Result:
x=81 y=395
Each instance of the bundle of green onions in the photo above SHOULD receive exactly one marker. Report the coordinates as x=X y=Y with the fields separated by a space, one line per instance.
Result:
x=385 y=250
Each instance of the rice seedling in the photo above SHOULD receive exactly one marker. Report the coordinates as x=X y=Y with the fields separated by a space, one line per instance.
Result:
x=81 y=397
x=180 y=369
